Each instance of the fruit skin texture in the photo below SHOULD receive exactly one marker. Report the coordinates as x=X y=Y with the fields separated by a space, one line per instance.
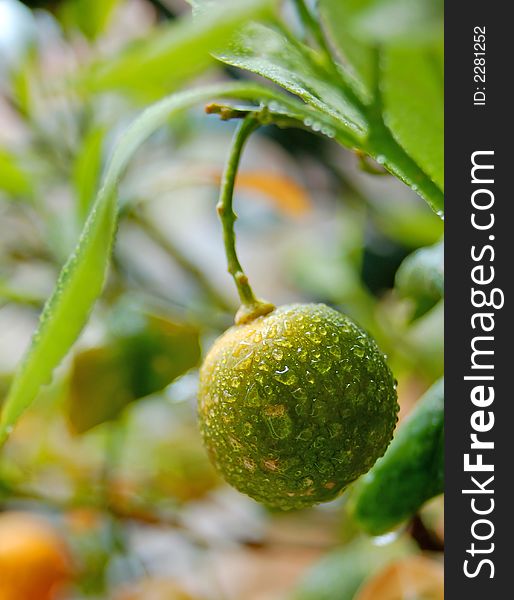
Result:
x=295 y=405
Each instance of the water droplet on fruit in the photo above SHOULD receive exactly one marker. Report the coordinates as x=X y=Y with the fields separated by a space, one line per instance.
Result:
x=313 y=336
x=335 y=351
x=358 y=351
x=252 y=397
x=323 y=365
x=325 y=467
x=305 y=434
x=245 y=363
x=299 y=394
x=277 y=354
x=302 y=354
x=286 y=376
x=268 y=390
x=335 y=429
x=309 y=377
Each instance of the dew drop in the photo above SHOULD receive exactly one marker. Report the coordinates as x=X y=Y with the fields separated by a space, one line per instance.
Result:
x=227 y=396
x=325 y=467
x=305 y=435
x=252 y=397
x=335 y=429
x=299 y=394
x=310 y=377
x=277 y=354
x=335 y=351
x=302 y=354
x=313 y=336
x=319 y=442
x=358 y=351
x=244 y=364
x=323 y=365
x=286 y=376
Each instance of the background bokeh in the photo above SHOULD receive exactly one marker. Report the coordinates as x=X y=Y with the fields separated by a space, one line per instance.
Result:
x=109 y=458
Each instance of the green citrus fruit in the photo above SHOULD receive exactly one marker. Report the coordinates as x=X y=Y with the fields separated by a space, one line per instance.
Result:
x=295 y=405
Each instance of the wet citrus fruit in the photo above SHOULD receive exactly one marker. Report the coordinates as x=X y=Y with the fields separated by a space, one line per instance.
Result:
x=295 y=405
x=34 y=562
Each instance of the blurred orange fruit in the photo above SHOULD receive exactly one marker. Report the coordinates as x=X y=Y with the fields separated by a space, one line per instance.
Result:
x=412 y=578
x=290 y=197
x=287 y=195
x=34 y=561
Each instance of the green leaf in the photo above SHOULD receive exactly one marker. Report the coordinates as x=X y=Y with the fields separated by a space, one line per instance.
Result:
x=86 y=171
x=356 y=27
x=90 y=16
x=135 y=364
x=341 y=572
x=409 y=223
x=401 y=85
x=385 y=149
x=174 y=52
x=273 y=55
x=82 y=277
x=14 y=181
x=412 y=87
x=406 y=22
x=356 y=55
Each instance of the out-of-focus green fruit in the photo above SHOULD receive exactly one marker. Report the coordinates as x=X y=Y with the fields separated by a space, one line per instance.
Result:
x=295 y=405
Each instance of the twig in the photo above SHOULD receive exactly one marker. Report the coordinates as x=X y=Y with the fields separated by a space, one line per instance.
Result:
x=251 y=307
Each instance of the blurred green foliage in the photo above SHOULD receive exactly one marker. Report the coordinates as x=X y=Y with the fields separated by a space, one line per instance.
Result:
x=352 y=93
x=144 y=356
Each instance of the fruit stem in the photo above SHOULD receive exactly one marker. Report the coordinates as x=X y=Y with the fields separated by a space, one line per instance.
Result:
x=251 y=307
